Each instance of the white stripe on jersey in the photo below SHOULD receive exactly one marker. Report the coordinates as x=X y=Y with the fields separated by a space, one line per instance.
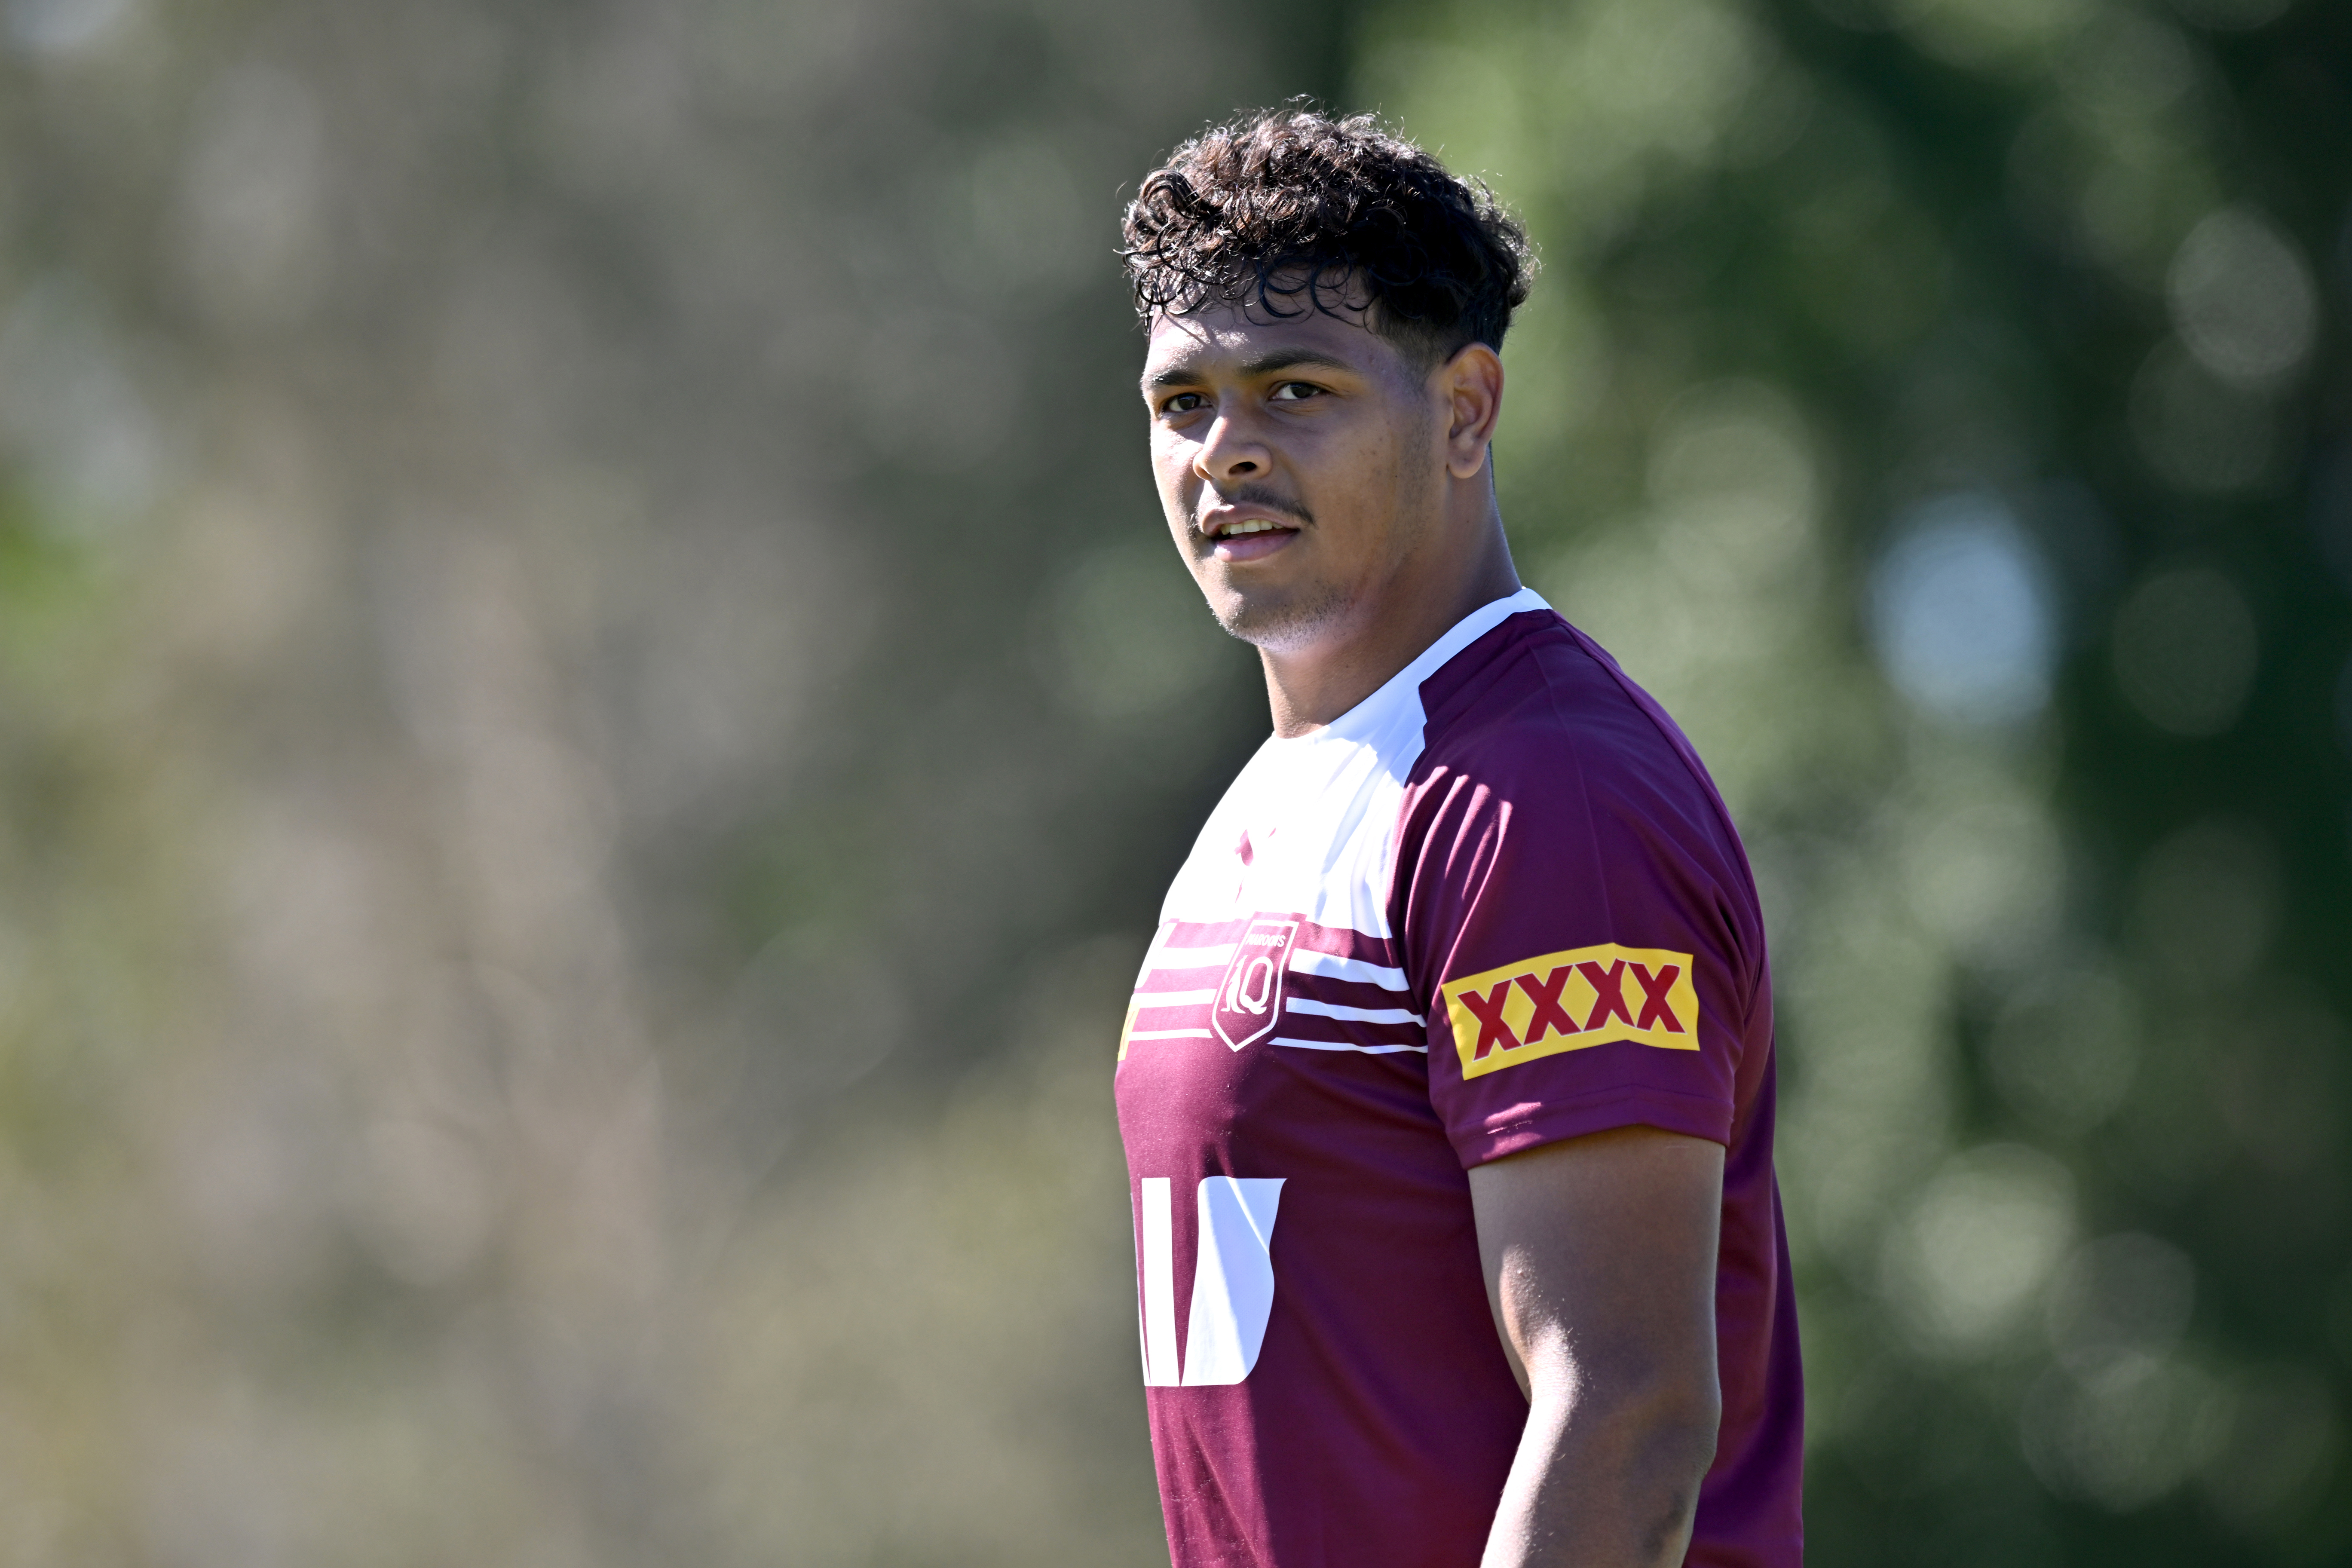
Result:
x=1354 y=1014
x=1306 y=961
x=1303 y=961
x=1174 y=998
x=1343 y=1046
x=1181 y=957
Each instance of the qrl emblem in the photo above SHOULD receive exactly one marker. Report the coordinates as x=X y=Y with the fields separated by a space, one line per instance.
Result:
x=1249 y=998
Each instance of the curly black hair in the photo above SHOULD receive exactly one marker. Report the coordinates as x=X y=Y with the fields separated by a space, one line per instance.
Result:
x=1289 y=208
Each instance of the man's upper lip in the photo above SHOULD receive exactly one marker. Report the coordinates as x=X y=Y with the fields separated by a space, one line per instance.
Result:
x=1216 y=522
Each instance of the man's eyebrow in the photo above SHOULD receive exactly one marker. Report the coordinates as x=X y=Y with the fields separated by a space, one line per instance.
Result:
x=1266 y=363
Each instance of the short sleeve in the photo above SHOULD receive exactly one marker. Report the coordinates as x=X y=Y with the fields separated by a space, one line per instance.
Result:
x=1578 y=921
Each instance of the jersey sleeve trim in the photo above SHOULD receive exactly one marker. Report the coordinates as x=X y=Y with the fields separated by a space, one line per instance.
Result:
x=1532 y=1126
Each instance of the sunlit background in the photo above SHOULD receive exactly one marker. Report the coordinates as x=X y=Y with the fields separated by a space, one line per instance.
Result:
x=594 y=714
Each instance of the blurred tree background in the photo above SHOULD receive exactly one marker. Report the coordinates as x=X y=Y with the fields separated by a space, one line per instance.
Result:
x=594 y=714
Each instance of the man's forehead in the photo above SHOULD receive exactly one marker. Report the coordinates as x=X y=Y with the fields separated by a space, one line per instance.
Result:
x=1224 y=336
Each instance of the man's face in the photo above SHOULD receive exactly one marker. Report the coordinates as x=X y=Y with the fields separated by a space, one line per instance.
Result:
x=1299 y=460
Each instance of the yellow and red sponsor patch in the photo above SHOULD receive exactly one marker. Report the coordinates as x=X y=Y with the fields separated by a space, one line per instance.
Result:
x=1567 y=1001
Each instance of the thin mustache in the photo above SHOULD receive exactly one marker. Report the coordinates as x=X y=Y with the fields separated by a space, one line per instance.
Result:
x=1253 y=495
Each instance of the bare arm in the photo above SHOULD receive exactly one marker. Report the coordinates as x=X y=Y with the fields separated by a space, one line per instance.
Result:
x=1600 y=1254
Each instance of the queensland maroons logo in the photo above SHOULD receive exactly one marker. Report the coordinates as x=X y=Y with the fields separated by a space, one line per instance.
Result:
x=1249 y=998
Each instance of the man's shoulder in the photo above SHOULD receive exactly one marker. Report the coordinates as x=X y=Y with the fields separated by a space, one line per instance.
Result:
x=1541 y=753
x=1534 y=695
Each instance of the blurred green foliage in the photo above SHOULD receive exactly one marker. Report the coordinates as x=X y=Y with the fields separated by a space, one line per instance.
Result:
x=592 y=715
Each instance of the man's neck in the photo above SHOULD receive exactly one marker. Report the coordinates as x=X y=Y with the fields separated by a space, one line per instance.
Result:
x=1309 y=688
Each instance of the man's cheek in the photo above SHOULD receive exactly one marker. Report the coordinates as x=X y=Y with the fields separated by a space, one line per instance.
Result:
x=1171 y=469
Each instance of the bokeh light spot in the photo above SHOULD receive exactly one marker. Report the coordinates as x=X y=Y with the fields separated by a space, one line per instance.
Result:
x=2125 y=1435
x=2206 y=903
x=65 y=27
x=2066 y=1050
x=1962 y=613
x=2283 y=1432
x=253 y=240
x=1982 y=1241
x=2124 y=1295
x=2200 y=432
x=2185 y=651
x=1985 y=872
x=71 y=408
x=2242 y=299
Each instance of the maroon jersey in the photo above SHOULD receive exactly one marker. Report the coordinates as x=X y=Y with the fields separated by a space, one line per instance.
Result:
x=1497 y=904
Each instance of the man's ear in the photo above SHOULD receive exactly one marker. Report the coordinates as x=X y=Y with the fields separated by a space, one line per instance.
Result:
x=1471 y=384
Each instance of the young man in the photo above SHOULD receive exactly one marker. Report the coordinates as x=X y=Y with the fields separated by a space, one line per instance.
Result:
x=1446 y=1087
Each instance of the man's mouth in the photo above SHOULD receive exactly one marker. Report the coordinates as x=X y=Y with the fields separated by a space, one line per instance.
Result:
x=1247 y=535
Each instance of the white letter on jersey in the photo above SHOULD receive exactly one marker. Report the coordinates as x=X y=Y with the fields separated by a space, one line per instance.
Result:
x=1232 y=1280
x=1157 y=1248
x=1252 y=985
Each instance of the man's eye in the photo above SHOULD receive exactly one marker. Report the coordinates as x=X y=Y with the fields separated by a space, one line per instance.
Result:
x=1297 y=392
x=1183 y=403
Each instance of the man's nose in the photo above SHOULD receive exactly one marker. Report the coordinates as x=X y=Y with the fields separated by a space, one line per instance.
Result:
x=1231 y=451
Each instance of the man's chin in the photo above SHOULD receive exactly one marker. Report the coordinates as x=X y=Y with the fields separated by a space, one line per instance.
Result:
x=1281 y=623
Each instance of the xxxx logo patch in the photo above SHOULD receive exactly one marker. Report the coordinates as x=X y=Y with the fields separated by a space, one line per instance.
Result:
x=1567 y=1001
